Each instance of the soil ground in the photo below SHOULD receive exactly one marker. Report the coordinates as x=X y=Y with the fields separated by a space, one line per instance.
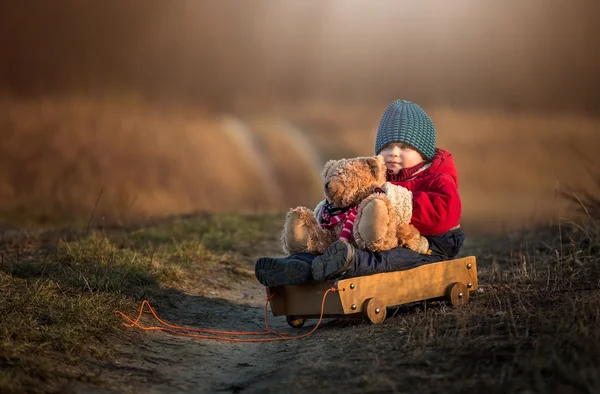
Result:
x=532 y=327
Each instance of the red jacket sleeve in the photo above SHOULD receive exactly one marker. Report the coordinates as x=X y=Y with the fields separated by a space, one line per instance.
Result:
x=438 y=209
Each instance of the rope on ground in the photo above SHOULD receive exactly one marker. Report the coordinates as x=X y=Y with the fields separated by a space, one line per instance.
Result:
x=218 y=335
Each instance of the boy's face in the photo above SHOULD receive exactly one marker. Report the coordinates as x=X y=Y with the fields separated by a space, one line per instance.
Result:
x=398 y=155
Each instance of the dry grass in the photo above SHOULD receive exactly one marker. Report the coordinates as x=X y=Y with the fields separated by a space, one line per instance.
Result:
x=59 y=156
x=60 y=288
x=532 y=327
x=509 y=163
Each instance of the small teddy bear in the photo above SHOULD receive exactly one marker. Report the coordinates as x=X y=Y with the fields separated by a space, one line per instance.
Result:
x=353 y=191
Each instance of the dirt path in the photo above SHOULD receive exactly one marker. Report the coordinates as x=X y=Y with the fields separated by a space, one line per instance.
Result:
x=520 y=334
x=161 y=363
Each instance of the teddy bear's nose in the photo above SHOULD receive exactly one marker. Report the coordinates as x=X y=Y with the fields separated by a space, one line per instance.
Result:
x=327 y=185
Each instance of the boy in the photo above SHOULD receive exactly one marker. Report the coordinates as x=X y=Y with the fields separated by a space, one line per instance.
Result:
x=416 y=169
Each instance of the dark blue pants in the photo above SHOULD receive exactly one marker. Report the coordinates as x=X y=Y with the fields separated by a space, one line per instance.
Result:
x=443 y=247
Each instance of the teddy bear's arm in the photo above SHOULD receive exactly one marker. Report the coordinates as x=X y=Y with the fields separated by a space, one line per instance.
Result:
x=402 y=201
x=303 y=234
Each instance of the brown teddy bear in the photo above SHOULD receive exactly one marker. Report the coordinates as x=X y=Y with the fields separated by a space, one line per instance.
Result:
x=353 y=189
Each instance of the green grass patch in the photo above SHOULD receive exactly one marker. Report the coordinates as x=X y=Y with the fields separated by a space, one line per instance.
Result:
x=59 y=290
x=217 y=233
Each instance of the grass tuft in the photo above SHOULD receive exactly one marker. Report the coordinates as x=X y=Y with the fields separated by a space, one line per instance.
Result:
x=58 y=296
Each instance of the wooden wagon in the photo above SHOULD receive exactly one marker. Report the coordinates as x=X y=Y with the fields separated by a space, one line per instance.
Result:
x=369 y=296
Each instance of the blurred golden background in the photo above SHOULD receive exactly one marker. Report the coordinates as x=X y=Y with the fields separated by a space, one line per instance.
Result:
x=152 y=108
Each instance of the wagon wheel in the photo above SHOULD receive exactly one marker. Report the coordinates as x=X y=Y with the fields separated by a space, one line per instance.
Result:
x=458 y=294
x=296 y=322
x=374 y=310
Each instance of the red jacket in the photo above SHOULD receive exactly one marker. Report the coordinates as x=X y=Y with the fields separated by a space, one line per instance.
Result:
x=436 y=202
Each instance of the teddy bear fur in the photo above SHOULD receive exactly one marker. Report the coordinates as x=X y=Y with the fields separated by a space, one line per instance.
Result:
x=379 y=225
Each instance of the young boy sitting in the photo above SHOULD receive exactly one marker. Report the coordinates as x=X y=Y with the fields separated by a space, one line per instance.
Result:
x=406 y=140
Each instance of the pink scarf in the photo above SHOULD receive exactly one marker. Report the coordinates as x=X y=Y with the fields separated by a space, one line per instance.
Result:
x=328 y=220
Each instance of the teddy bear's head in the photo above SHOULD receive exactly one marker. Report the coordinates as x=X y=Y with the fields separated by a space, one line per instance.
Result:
x=349 y=181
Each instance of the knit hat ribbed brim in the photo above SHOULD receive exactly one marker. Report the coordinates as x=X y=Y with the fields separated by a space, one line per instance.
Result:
x=406 y=122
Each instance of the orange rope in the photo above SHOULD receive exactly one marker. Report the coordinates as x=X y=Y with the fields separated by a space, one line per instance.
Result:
x=181 y=330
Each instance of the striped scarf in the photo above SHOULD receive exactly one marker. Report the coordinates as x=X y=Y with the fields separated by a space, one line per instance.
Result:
x=332 y=216
x=405 y=173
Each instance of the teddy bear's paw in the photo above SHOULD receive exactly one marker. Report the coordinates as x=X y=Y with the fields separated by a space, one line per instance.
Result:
x=299 y=223
x=411 y=238
x=374 y=228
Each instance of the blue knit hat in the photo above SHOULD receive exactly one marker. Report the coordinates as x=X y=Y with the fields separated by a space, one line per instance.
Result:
x=404 y=121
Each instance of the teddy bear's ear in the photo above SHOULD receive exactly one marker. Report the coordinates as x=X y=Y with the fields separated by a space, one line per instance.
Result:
x=327 y=167
x=375 y=163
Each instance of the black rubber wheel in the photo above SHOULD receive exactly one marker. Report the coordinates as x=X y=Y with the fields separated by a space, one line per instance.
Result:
x=296 y=322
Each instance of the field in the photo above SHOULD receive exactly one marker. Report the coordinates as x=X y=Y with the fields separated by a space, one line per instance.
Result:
x=105 y=203
x=125 y=159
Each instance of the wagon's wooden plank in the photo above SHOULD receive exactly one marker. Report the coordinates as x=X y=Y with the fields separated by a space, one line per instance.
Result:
x=392 y=288
x=277 y=301
x=402 y=287
x=304 y=300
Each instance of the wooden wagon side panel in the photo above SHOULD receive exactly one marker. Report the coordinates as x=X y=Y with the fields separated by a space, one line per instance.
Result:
x=395 y=288
x=392 y=288
x=304 y=300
